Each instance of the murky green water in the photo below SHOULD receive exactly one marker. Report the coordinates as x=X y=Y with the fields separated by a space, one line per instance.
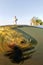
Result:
x=37 y=56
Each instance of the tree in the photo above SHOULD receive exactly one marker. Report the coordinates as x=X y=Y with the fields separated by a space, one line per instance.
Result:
x=36 y=21
x=39 y=21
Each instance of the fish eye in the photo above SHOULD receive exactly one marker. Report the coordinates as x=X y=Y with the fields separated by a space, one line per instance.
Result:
x=23 y=41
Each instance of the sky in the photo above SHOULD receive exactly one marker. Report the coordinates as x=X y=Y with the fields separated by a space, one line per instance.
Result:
x=24 y=10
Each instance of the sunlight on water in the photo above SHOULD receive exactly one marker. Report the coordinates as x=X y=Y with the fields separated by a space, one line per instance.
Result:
x=40 y=26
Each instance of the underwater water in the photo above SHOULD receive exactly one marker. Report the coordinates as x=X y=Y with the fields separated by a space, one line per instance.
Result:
x=34 y=57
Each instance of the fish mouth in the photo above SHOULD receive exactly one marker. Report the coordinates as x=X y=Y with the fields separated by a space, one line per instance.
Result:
x=17 y=54
x=18 y=51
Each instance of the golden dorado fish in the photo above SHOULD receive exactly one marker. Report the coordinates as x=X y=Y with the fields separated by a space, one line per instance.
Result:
x=16 y=42
x=10 y=38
